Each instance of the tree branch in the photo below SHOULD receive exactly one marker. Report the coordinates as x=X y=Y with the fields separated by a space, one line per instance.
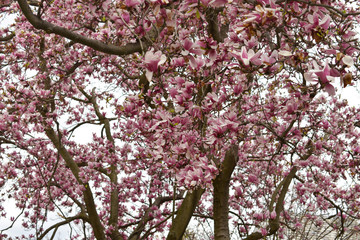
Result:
x=219 y=33
x=114 y=196
x=330 y=8
x=97 y=45
x=59 y=224
x=7 y=38
x=94 y=218
x=184 y=214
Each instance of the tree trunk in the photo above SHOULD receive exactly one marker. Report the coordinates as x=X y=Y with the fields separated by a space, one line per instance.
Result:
x=221 y=194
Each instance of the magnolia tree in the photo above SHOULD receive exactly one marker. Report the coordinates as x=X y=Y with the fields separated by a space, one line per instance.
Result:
x=209 y=110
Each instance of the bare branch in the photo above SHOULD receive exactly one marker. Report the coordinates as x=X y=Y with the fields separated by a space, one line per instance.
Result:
x=13 y=222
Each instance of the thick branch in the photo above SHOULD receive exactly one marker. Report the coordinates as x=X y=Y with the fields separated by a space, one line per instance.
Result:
x=219 y=33
x=221 y=194
x=184 y=214
x=38 y=23
x=114 y=196
x=6 y=141
x=7 y=38
x=274 y=224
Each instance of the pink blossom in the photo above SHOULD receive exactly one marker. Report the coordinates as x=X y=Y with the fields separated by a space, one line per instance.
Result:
x=269 y=60
x=218 y=3
x=324 y=76
x=238 y=192
x=133 y=3
x=196 y=63
x=347 y=60
x=207 y=97
x=315 y=22
x=178 y=62
x=248 y=56
x=191 y=47
x=152 y=61
x=298 y=225
x=253 y=179
x=261 y=15
x=273 y=215
x=259 y=216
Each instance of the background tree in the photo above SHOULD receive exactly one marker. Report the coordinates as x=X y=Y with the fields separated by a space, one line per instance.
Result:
x=223 y=111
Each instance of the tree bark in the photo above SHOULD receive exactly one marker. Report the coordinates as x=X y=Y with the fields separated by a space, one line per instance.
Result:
x=221 y=194
x=184 y=214
x=219 y=33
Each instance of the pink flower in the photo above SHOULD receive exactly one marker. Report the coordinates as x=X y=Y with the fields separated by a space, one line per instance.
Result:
x=252 y=42
x=315 y=22
x=347 y=60
x=152 y=62
x=178 y=62
x=259 y=216
x=323 y=76
x=196 y=63
x=191 y=47
x=269 y=60
x=248 y=56
x=261 y=15
x=154 y=59
x=263 y=231
x=218 y=3
x=238 y=192
x=253 y=179
x=133 y=3
x=298 y=225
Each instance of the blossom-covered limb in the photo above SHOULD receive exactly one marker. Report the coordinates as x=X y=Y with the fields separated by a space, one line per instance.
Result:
x=95 y=44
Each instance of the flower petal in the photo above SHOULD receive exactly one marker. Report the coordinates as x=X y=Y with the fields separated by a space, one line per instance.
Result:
x=330 y=89
x=285 y=53
x=348 y=60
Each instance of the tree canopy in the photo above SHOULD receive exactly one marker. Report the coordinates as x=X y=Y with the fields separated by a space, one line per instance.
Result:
x=218 y=111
